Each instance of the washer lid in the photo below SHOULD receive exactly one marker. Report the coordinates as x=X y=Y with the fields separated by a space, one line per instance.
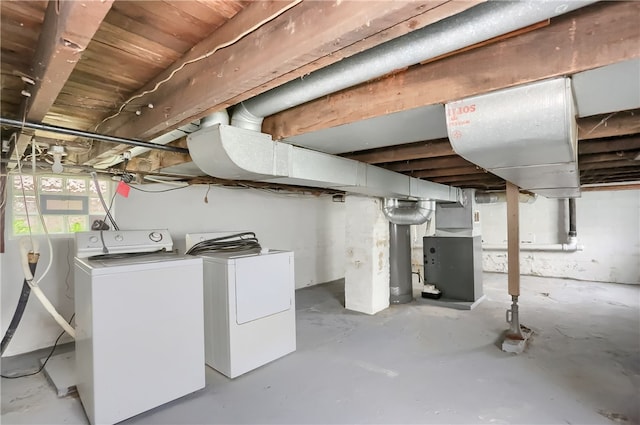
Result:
x=156 y=260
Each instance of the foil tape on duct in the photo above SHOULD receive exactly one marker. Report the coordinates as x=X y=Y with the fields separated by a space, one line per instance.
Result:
x=526 y=134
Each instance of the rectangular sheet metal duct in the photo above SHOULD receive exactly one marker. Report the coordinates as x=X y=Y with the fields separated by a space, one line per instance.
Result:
x=526 y=134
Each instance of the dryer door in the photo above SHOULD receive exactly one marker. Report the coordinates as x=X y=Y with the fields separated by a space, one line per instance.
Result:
x=264 y=286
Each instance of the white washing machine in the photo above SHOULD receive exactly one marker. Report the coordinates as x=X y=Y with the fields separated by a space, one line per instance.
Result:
x=249 y=307
x=139 y=324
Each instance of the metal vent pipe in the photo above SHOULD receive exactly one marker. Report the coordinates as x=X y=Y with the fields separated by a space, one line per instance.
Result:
x=477 y=24
x=401 y=215
x=400 y=211
x=400 y=285
x=496 y=197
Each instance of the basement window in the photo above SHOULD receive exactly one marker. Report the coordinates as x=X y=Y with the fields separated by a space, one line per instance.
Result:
x=68 y=204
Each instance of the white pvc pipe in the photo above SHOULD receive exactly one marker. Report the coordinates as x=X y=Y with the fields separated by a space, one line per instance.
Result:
x=24 y=255
x=552 y=247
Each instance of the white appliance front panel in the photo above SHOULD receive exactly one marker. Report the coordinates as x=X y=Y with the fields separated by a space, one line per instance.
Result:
x=232 y=348
x=263 y=286
x=140 y=337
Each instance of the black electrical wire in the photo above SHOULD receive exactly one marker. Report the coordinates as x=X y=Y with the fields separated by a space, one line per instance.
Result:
x=55 y=345
x=157 y=191
x=238 y=242
x=17 y=314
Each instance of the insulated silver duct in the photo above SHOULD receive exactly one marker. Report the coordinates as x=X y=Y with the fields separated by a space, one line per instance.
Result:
x=480 y=23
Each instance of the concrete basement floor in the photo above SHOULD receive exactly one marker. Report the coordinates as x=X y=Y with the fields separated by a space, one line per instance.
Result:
x=417 y=364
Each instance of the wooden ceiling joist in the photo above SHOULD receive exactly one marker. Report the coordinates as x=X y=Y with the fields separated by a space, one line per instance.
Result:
x=419 y=150
x=609 y=125
x=253 y=63
x=609 y=145
x=428 y=164
x=591 y=37
x=68 y=28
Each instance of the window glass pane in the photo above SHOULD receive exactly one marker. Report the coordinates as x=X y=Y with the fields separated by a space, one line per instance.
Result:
x=78 y=223
x=95 y=207
x=24 y=214
x=18 y=205
x=103 y=188
x=55 y=223
x=27 y=182
x=76 y=186
x=21 y=225
x=51 y=184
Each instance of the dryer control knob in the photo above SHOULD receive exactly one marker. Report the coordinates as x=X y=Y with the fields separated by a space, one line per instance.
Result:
x=155 y=236
x=119 y=237
x=93 y=239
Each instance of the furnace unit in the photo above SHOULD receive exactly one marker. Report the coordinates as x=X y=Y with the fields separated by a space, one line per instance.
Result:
x=453 y=257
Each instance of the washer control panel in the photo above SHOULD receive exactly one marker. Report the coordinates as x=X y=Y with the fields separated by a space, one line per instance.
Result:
x=122 y=241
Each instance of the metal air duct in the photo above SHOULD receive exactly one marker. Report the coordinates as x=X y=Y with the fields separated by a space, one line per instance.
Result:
x=477 y=24
x=399 y=211
x=401 y=215
x=234 y=153
x=525 y=134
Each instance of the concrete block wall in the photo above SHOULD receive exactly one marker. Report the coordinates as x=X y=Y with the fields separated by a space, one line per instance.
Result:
x=367 y=255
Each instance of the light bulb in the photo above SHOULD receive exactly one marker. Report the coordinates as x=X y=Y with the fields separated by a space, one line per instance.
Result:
x=57 y=152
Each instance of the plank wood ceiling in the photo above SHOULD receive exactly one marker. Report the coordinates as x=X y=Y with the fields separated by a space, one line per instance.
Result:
x=89 y=57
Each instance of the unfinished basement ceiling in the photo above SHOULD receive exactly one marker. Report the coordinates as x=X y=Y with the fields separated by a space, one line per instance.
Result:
x=121 y=48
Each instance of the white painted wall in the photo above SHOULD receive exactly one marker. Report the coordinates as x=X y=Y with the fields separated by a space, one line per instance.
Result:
x=366 y=283
x=608 y=225
x=312 y=227
x=37 y=328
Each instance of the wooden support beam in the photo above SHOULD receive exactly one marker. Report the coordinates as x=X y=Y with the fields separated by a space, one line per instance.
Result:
x=631 y=186
x=609 y=125
x=419 y=150
x=622 y=163
x=478 y=176
x=513 y=239
x=68 y=28
x=595 y=36
x=451 y=172
x=608 y=145
x=614 y=156
x=249 y=66
x=155 y=160
x=428 y=164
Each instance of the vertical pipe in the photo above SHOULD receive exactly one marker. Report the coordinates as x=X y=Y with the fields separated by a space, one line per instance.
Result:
x=400 y=285
x=513 y=239
x=572 y=218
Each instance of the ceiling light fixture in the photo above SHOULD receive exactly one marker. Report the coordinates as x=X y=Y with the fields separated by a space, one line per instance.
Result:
x=57 y=152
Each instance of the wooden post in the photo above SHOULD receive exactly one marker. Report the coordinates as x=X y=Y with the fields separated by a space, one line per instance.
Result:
x=513 y=239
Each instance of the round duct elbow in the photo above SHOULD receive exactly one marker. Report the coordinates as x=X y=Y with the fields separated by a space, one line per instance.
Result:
x=243 y=118
x=400 y=211
x=219 y=117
